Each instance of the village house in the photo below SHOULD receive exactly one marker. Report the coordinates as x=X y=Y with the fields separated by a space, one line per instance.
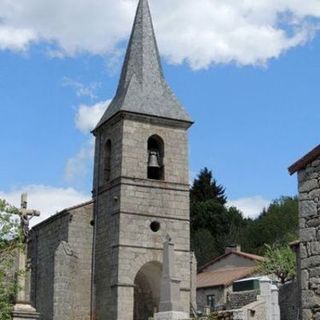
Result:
x=215 y=279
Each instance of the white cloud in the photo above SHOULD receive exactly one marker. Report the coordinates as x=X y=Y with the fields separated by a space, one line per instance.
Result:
x=251 y=207
x=201 y=32
x=77 y=166
x=49 y=200
x=14 y=38
x=87 y=117
x=81 y=89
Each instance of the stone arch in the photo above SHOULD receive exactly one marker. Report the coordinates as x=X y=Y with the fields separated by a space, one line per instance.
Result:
x=143 y=258
x=155 y=158
x=147 y=290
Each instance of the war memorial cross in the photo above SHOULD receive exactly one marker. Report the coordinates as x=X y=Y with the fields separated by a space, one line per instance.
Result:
x=23 y=308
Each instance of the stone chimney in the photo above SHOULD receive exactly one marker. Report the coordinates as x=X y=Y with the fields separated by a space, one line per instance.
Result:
x=232 y=248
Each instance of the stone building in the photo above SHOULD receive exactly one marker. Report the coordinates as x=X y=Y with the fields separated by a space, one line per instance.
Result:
x=103 y=259
x=308 y=169
x=215 y=279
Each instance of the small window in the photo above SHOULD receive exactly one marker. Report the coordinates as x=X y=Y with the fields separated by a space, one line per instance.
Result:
x=155 y=158
x=211 y=301
x=107 y=161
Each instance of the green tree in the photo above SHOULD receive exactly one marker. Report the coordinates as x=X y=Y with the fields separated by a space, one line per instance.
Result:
x=11 y=240
x=213 y=225
x=205 y=188
x=280 y=261
x=204 y=245
x=277 y=224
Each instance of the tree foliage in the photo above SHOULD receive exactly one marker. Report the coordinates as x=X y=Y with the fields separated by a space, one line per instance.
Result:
x=11 y=240
x=280 y=261
x=205 y=188
x=215 y=226
x=277 y=224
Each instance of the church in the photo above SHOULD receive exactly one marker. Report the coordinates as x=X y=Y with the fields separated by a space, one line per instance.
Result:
x=103 y=259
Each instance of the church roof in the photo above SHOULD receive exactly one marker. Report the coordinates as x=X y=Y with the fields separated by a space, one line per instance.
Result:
x=142 y=88
x=304 y=161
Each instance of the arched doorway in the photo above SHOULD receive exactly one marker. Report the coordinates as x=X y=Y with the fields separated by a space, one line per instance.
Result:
x=147 y=291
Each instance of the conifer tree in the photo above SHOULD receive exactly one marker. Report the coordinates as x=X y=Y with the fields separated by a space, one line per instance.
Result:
x=205 y=188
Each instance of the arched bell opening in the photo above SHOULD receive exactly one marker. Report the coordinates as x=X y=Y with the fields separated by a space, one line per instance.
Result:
x=147 y=291
x=155 y=158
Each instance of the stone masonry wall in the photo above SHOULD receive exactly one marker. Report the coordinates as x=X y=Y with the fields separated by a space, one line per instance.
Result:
x=288 y=301
x=231 y=261
x=65 y=271
x=45 y=240
x=217 y=292
x=61 y=281
x=239 y=299
x=127 y=205
x=135 y=138
x=309 y=221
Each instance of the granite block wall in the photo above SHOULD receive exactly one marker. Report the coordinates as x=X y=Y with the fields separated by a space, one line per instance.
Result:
x=135 y=151
x=46 y=239
x=61 y=252
x=219 y=293
x=128 y=204
x=240 y=299
x=289 y=301
x=309 y=221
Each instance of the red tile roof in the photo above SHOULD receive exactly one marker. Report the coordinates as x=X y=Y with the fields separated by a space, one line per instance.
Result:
x=223 y=277
x=304 y=161
x=238 y=253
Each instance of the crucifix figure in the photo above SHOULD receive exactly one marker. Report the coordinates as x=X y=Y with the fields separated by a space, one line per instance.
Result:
x=22 y=308
x=26 y=215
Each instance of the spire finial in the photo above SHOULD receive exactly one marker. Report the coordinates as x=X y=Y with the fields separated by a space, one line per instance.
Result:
x=142 y=87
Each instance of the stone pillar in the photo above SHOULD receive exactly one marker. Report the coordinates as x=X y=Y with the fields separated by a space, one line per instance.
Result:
x=170 y=308
x=265 y=294
x=22 y=308
x=193 y=285
x=309 y=221
x=125 y=294
x=275 y=313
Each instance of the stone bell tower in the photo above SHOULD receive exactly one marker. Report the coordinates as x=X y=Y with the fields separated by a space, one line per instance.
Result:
x=141 y=186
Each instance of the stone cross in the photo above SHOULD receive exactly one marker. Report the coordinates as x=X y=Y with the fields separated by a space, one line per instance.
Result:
x=22 y=308
x=26 y=215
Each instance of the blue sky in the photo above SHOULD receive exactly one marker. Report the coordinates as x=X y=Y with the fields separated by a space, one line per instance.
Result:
x=255 y=103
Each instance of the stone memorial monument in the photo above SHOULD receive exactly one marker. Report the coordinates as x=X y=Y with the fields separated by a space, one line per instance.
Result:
x=170 y=304
x=23 y=308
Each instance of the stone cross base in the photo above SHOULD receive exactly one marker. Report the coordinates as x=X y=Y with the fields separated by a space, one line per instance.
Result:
x=24 y=312
x=171 y=315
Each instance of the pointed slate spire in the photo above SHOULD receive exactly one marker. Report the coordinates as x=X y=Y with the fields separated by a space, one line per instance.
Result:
x=142 y=88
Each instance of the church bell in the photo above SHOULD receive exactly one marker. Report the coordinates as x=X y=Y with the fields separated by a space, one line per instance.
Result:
x=154 y=160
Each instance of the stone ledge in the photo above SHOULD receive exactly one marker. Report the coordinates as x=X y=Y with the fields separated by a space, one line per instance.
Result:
x=171 y=315
x=24 y=311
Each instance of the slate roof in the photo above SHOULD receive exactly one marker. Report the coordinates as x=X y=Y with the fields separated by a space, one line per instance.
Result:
x=224 y=277
x=142 y=88
x=304 y=161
